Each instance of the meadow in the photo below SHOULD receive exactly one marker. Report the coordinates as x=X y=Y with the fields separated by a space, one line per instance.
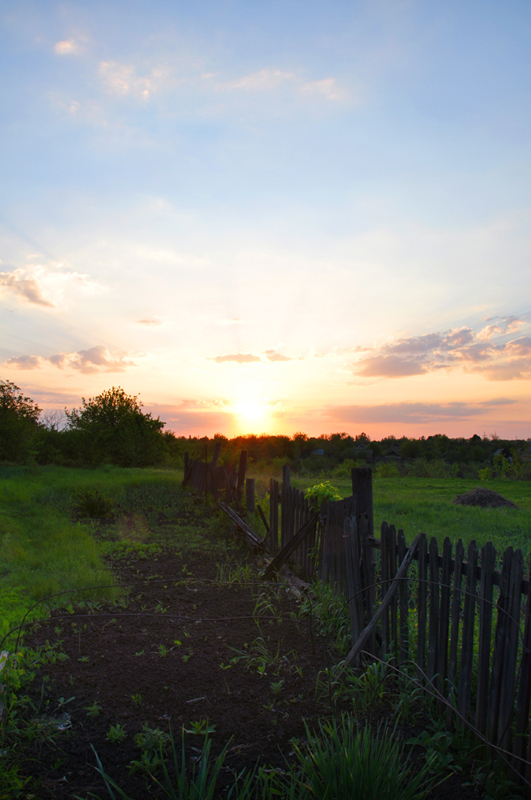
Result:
x=64 y=529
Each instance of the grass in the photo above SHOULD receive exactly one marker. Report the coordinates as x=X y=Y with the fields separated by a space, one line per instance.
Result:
x=46 y=548
x=425 y=505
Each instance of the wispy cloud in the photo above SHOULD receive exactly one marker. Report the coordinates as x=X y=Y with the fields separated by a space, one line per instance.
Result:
x=414 y=413
x=67 y=47
x=248 y=358
x=43 y=286
x=154 y=321
x=271 y=355
x=122 y=79
x=487 y=351
x=95 y=359
x=25 y=286
x=239 y=358
x=267 y=80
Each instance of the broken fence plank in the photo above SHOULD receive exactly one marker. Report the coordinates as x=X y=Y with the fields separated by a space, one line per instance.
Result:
x=402 y=571
x=290 y=547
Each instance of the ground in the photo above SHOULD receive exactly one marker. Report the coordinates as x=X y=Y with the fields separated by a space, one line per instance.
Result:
x=185 y=653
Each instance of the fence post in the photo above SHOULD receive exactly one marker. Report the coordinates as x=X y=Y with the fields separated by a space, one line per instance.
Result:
x=249 y=495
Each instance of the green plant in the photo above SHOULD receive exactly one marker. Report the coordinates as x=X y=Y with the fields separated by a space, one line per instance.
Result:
x=320 y=493
x=116 y=733
x=485 y=474
x=137 y=699
x=93 y=710
x=92 y=502
x=200 y=727
x=344 y=759
x=162 y=650
x=201 y=785
x=153 y=743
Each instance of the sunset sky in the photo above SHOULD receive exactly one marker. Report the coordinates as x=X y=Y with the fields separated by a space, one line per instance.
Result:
x=270 y=216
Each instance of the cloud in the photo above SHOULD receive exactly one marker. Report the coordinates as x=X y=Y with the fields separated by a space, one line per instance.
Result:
x=94 y=360
x=271 y=355
x=414 y=413
x=66 y=47
x=239 y=358
x=326 y=88
x=46 y=286
x=266 y=80
x=488 y=352
x=390 y=367
x=122 y=79
x=28 y=288
x=263 y=80
x=149 y=321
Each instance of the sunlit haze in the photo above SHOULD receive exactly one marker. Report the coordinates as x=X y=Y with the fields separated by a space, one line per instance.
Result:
x=270 y=217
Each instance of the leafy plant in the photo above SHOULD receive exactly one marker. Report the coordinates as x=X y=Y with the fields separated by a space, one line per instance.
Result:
x=153 y=743
x=92 y=502
x=344 y=759
x=93 y=710
x=116 y=733
x=320 y=493
x=200 y=727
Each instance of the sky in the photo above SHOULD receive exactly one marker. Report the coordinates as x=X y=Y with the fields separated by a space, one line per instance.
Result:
x=270 y=216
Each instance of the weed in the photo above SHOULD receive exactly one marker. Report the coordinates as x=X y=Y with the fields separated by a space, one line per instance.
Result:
x=153 y=743
x=137 y=699
x=200 y=728
x=116 y=733
x=93 y=710
x=162 y=651
x=93 y=503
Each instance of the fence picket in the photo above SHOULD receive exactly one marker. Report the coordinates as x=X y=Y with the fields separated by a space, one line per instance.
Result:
x=499 y=646
x=422 y=603
x=488 y=563
x=467 y=647
x=433 y=636
x=511 y=651
x=444 y=624
x=384 y=571
x=403 y=596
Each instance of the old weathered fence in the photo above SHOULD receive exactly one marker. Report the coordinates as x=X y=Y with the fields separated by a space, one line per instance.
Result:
x=223 y=482
x=460 y=623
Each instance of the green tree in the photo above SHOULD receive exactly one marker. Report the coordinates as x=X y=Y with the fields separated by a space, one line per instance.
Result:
x=19 y=423
x=112 y=428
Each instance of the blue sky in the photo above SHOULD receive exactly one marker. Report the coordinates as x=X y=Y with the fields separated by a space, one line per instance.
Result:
x=274 y=216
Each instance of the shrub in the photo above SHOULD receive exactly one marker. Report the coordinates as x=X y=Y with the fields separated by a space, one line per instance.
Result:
x=321 y=493
x=19 y=423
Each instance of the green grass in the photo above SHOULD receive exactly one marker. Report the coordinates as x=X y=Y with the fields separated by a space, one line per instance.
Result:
x=425 y=505
x=44 y=550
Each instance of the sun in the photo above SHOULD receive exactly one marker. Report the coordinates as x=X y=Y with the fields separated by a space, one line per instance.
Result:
x=249 y=410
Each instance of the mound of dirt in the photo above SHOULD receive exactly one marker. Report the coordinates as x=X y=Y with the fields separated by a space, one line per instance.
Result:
x=486 y=498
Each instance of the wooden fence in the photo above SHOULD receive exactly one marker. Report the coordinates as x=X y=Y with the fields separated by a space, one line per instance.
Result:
x=458 y=622
x=223 y=482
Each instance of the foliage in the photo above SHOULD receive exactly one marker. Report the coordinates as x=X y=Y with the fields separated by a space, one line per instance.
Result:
x=344 y=759
x=19 y=417
x=321 y=493
x=112 y=428
x=92 y=502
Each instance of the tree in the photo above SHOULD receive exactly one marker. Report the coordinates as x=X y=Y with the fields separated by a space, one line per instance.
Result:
x=112 y=428
x=19 y=423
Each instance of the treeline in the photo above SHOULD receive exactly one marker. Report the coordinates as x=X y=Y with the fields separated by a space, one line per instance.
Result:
x=113 y=428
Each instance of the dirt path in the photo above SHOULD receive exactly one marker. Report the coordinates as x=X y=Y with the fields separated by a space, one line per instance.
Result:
x=167 y=659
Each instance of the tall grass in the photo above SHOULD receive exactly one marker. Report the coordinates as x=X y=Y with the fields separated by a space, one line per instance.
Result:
x=43 y=549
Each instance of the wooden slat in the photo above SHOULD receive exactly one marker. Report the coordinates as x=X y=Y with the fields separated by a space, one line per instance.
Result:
x=456 y=613
x=511 y=652
x=524 y=692
x=433 y=632
x=290 y=547
x=422 y=603
x=467 y=648
x=393 y=556
x=403 y=595
x=444 y=623
x=391 y=593
x=486 y=588
x=495 y=688
x=384 y=571
x=355 y=598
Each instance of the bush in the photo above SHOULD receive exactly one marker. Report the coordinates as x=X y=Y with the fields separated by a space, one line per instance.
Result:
x=112 y=428
x=321 y=493
x=19 y=424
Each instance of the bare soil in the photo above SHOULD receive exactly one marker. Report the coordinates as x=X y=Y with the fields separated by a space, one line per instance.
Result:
x=487 y=498
x=164 y=660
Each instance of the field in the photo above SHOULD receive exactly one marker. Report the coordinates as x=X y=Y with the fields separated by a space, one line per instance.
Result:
x=184 y=637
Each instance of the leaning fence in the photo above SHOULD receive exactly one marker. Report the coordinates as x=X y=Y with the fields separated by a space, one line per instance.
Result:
x=458 y=622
